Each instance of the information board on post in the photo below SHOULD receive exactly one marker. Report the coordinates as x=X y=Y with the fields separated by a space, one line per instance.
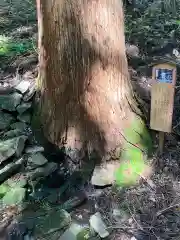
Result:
x=162 y=97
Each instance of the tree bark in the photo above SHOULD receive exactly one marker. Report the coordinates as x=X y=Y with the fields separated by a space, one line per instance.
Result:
x=86 y=102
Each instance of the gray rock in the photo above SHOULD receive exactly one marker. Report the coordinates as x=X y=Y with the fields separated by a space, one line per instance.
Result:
x=51 y=221
x=12 y=133
x=104 y=174
x=24 y=117
x=20 y=142
x=18 y=180
x=14 y=231
x=75 y=200
x=30 y=93
x=5 y=120
x=53 y=197
x=36 y=160
x=23 y=107
x=6 y=153
x=98 y=225
x=28 y=237
x=25 y=63
x=132 y=50
x=12 y=147
x=10 y=102
x=35 y=175
x=4 y=188
x=7 y=171
x=23 y=86
x=15 y=196
x=19 y=125
x=34 y=149
x=75 y=232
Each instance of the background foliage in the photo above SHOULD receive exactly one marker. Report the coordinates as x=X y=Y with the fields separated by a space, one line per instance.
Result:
x=152 y=24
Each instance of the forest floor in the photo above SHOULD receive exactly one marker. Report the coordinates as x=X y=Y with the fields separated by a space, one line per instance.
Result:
x=137 y=213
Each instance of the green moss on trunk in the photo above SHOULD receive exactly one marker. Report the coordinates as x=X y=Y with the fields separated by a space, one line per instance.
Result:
x=134 y=154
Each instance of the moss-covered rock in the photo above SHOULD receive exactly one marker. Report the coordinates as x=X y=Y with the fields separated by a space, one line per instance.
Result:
x=4 y=188
x=10 y=102
x=5 y=120
x=10 y=147
x=14 y=196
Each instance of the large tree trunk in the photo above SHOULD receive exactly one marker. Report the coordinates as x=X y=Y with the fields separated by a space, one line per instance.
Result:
x=86 y=99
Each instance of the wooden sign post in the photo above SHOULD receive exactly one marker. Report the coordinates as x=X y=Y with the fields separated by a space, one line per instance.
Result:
x=162 y=99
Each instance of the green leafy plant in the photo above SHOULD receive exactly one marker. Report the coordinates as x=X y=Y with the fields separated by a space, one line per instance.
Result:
x=10 y=48
x=153 y=26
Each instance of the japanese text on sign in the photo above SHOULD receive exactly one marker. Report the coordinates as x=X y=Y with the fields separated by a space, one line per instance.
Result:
x=162 y=96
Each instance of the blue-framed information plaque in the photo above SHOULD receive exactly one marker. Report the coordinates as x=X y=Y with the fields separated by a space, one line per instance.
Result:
x=164 y=75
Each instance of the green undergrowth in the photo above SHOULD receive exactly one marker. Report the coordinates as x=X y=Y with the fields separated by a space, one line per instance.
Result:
x=12 y=48
x=152 y=24
x=14 y=15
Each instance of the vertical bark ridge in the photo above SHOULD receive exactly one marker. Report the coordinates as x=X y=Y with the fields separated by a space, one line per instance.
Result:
x=86 y=94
